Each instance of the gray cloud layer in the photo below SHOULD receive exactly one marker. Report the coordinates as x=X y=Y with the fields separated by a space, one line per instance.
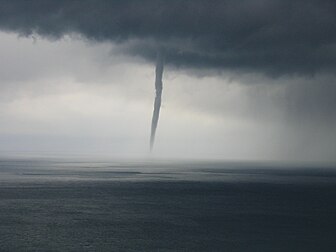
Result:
x=267 y=36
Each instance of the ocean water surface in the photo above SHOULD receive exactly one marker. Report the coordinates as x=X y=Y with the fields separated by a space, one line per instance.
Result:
x=85 y=205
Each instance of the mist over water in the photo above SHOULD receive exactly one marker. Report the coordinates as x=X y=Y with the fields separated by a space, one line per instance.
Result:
x=103 y=205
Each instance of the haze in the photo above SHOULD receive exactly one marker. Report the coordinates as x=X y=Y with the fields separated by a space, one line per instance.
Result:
x=69 y=88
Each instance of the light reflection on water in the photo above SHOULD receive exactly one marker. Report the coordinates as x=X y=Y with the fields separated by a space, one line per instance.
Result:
x=62 y=205
x=63 y=170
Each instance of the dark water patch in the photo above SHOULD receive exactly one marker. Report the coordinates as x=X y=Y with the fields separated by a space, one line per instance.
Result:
x=175 y=216
x=247 y=211
x=307 y=172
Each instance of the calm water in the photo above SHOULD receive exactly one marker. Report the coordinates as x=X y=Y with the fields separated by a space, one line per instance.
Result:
x=58 y=205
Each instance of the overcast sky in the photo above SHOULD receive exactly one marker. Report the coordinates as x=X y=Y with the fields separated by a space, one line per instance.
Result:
x=243 y=79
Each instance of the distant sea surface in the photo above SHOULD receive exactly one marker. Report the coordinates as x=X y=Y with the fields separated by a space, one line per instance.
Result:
x=71 y=205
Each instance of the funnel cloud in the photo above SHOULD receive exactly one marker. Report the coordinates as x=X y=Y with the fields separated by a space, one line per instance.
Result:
x=158 y=94
x=255 y=78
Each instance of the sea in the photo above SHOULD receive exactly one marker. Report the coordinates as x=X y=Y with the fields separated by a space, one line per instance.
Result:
x=63 y=204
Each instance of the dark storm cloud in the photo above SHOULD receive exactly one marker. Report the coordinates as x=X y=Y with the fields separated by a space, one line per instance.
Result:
x=268 y=36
